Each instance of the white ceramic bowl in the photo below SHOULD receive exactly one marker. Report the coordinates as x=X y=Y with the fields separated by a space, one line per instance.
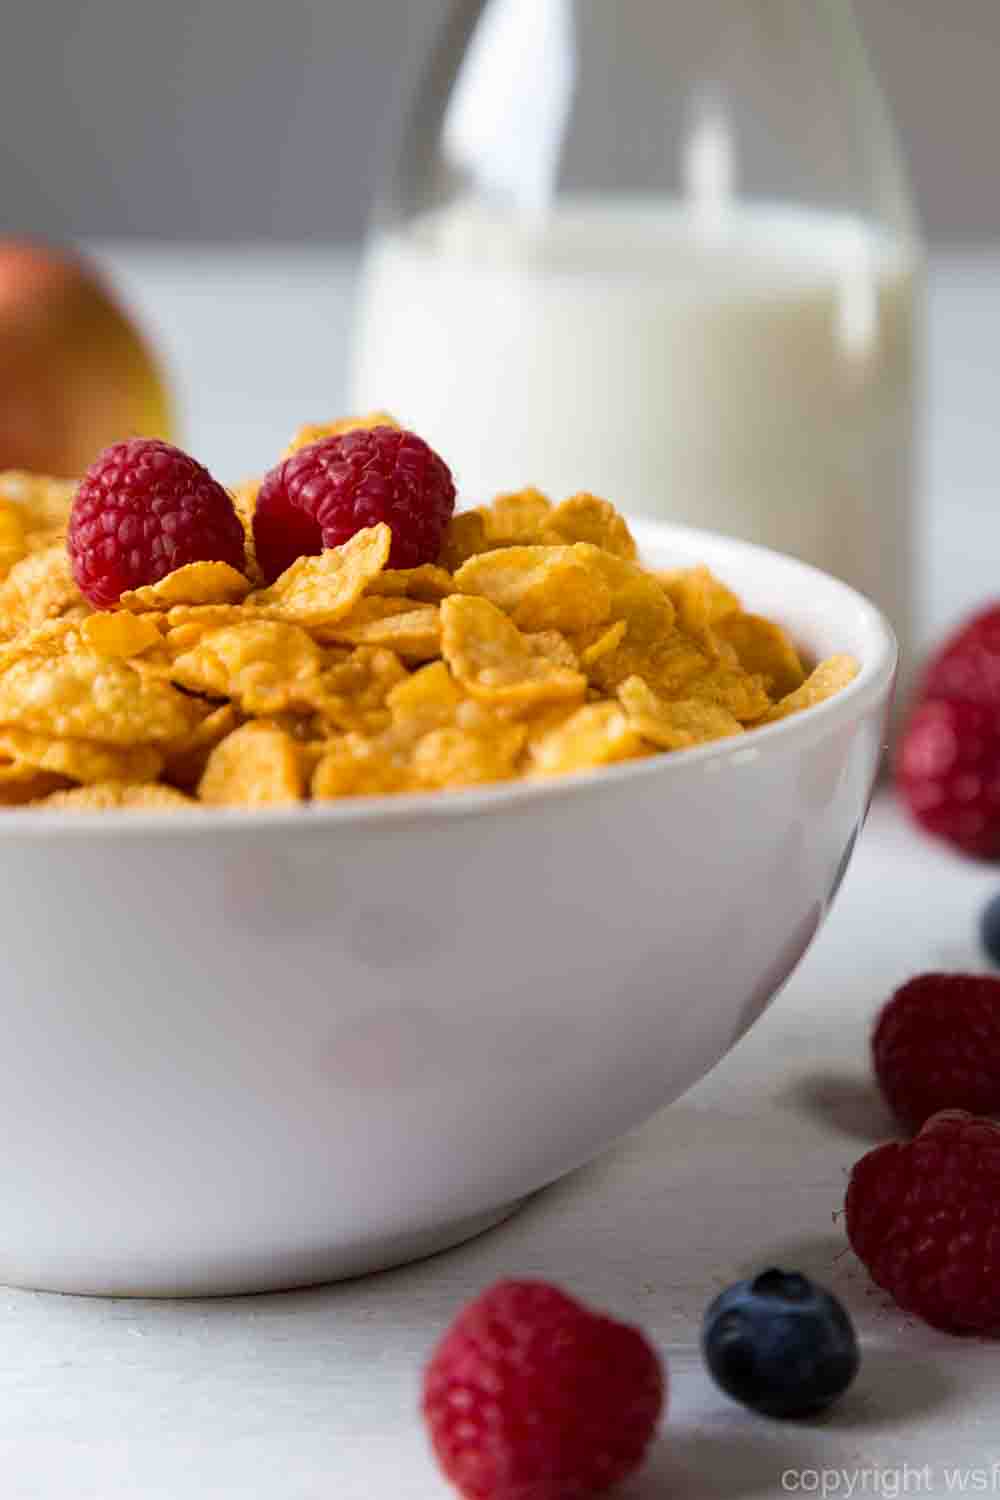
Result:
x=247 y=1051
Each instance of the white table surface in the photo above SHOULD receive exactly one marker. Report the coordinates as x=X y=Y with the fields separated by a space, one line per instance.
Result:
x=312 y=1395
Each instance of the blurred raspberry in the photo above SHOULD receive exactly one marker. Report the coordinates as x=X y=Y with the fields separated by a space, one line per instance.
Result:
x=531 y=1396
x=142 y=509
x=967 y=666
x=924 y=1217
x=936 y=1045
x=948 y=773
x=322 y=494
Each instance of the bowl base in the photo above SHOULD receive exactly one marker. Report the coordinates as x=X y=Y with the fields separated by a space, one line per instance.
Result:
x=245 y=1275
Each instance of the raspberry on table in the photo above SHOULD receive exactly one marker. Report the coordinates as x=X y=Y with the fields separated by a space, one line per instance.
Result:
x=936 y=1046
x=924 y=1217
x=532 y=1396
x=780 y=1345
x=948 y=772
x=967 y=667
x=321 y=495
x=142 y=509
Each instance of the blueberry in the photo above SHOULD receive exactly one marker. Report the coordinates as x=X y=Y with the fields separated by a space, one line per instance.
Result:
x=989 y=928
x=780 y=1345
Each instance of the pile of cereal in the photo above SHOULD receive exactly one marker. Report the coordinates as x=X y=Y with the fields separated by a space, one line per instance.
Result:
x=527 y=642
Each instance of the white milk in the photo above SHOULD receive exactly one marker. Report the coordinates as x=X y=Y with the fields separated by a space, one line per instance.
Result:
x=752 y=375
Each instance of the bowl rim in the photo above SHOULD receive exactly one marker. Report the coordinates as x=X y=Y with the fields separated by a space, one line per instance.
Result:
x=872 y=685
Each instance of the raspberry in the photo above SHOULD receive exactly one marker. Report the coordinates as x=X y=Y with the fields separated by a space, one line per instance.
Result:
x=924 y=1217
x=324 y=493
x=948 y=773
x=531 y=1396
x=936 y=1045
x=968 y=664
x=142 y=509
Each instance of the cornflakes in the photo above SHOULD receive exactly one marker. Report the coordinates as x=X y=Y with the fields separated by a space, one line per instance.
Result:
x=412 y=630
x=462 y=757
x=185 y=759
x=699 y=598
x=585 y=518
x=118 y=794
x=520 y=517
x=81 y=760
x=677 y=724
x=464 y=537
x=356 y=767
x=262 y=666
x=596 y=735
x=826 y=680
x=493 y=661
x=39 y=587
x=91 y=698
x=317 y=591
x=42 y=503
x=119 y=634
x=255 y=765
x=427 y=584
x=535 y=646
x=541 y=588
x=194 y=583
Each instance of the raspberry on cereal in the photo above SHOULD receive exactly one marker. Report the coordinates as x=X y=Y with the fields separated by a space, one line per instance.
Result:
x=143 y=509
x=322 y=494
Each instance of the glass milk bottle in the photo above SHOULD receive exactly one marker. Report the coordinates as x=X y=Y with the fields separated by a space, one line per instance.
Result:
x=661 y=251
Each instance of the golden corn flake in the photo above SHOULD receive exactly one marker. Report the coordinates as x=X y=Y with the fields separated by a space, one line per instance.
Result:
x=414 y=633
x=353 y=694
x=591 y=645
x=43 y=503
x=464 y=537
x=119 y=634
x=318 y=591
x=428 y=584
x=674 y=725
x=520 y=517
x=12 y=537
x=194 y=583
x=185 y=759
x=828 y=679
x=541 y=588
x=314 y=432
x=585 y=518
x=261 y=665
x=40 y=587
x=492 y=660
x=81 y=760
x=117 y=794
x=598 y=734
x=461 y=757
x=356 y=767
x=762 y=648
x=699 y=598
x=554 y=647
x=91 y=698
x=426 y=700
x=254 y=766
